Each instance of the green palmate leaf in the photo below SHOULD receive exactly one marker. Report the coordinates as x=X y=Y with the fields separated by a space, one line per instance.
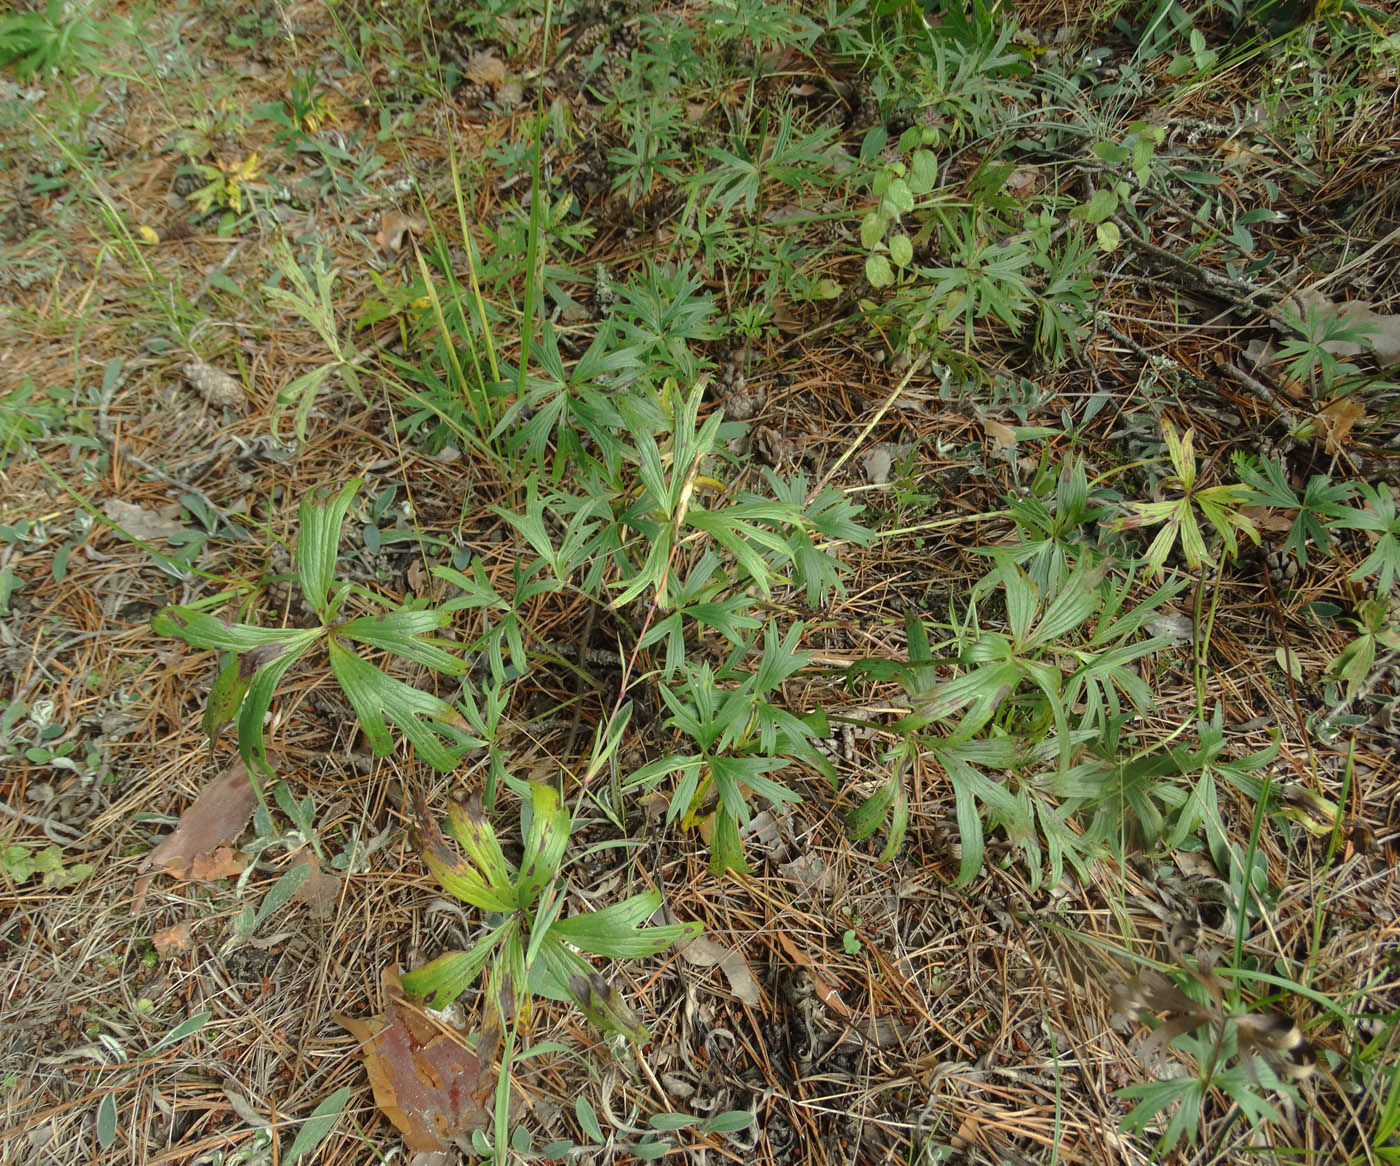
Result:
x=1076 y=602
x=1161 y=545
x=224 y=698
x=971 y=787
x=442 y=980
x=467 y=884
x=545 y=839
x=867 y=817
x=1021 y=601
x=477 y=591
x=730 y=773
x=475 y=834
x=419 y=715
x=980 y=691
x=318 y=545
x=739 y=537
x=726 y=847
x=619 y=930
x=401 y=632
x=652 y=574
x=1181 y=451
x=200 y=630
x=258 y=700
x=486 y=881
x=300 y=395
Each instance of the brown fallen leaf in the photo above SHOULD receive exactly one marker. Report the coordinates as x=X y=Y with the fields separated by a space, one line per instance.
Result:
x=484 y=67
x=1336 y=419
x=1002 y=437
x=143 y=524
x=425 y=1079
x=223 y=862
x=1268 y=519
x=321 y=890
x=172 y=940
x=395 y=228
x=217 y=816
x=704 y=952
x=1023 y=181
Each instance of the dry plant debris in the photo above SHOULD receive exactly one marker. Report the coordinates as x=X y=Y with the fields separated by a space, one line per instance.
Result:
x=425 y=1079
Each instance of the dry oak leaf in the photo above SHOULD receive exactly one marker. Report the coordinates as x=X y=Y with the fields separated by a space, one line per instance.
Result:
x=425 y=1079
x=1336 y=419
x=223 y=862
x=395 y=228
x=320 y=891
x=140 y=523
x=219 y=390
x=704 y=952
x=172 y=940
x=217 y=816
x=484 y=67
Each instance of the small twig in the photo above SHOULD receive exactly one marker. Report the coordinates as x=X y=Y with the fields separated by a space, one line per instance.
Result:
x=1260 y=390
x=47 y=825
x=1242 y=295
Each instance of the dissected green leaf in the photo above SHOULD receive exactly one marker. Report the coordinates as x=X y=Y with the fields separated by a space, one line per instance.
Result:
x=619 y=930
x=419 y=715
x=318 y=544
x=403 y=632
x=225 y=696
x=201 y=630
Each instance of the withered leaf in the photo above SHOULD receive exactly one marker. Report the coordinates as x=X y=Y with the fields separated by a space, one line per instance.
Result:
x=395 y=228
x=425 y=1079
x=704 y=952
x=217 y=816
x=603 y=1004
x=486 y=67
x=1336 y=420
x=321 y=889
x=223 y=862
x=172 y=940
x=143 y=524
